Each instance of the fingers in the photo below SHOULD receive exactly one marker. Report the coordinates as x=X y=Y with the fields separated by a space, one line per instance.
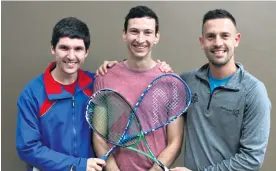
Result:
x=100 y=161
x=95 y=164
x=164 y=67
x=180 y=169
x=102 y=70
x=176 y=169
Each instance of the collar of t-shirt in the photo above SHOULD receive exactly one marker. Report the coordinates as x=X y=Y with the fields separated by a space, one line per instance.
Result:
x=70 y=87
x=217 y=82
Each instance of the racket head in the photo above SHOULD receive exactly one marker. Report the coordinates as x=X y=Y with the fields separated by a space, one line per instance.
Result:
x=164 y=100
x=111 y=116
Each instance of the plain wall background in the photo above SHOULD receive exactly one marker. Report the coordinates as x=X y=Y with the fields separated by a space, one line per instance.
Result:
x=26 y=35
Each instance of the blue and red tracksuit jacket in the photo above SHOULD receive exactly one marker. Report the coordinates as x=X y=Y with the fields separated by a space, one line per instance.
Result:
x=52 y=133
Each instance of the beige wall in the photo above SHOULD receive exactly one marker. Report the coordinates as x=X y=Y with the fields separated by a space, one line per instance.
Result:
x=26 y=33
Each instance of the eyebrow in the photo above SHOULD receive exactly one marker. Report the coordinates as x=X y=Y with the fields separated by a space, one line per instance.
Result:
x=212 y=33
x=67 y=46
x=133 y=28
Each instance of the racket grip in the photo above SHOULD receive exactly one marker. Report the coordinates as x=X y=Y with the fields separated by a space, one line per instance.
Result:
x=104 y=157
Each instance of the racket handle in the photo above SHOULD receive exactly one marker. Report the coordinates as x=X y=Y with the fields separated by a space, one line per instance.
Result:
x=166 y=169
x=104 y=157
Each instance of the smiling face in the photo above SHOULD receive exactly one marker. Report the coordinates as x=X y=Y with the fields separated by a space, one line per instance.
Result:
x=70 y=54
x=140 y=37
x=219 y=40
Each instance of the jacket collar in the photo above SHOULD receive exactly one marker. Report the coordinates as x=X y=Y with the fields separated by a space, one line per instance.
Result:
x=234 y=82
x=55 y=91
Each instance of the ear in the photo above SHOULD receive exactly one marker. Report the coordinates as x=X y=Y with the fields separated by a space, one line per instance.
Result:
x=124 y=35
x=157 y=38
x=201 y=41
x=53 y=50
x=237 y=39
x=86 y=54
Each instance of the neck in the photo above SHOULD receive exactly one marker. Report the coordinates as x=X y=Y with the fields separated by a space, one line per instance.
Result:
x=140 y=64
x=63 y=78
x=223 y=71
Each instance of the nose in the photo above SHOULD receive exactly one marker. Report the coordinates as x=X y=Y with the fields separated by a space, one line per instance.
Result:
x=140 y=38
x=218 y=41
x=71 y=54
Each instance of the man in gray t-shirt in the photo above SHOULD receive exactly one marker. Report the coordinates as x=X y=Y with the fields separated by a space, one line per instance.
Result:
x=227 y=125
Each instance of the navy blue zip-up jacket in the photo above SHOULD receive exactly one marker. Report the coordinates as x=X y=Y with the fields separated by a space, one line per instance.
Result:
x=52 y=133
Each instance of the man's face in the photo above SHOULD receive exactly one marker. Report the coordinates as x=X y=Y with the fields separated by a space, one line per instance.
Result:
x=219 y=40
x=70 y=54
x=140 y=36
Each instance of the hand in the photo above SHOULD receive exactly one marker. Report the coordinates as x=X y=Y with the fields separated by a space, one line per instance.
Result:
x=180 y=169
x=164 y=67
x=95 y=164
x=103 y=68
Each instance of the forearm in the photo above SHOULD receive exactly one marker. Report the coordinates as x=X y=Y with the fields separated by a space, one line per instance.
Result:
x=241 y=161
x=168 y=155
x=111 y=164
x=101 y=148
x=173 y=148
x=44 y=158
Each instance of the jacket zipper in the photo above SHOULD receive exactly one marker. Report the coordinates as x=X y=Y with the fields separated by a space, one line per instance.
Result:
x=209 y=102
x=74 y=129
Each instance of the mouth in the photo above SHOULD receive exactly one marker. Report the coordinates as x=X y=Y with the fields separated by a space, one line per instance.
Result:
x=218 y=51
x=70 y=63
x=140 y=47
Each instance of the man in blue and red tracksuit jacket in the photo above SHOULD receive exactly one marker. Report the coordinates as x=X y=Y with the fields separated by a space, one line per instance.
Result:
x=52 y=133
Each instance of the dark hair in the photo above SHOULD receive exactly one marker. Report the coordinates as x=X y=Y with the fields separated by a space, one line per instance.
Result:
x=140 y=12
x=218 y=13
x=73 y=28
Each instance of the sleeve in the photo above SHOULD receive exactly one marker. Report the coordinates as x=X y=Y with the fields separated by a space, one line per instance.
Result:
x=185 y=76
x=98 y=83
x=28 y=141
x=255 y=133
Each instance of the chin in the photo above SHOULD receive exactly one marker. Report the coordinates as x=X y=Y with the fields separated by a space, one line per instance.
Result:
x=219 y=63
x=140 y=55
x=71 y=71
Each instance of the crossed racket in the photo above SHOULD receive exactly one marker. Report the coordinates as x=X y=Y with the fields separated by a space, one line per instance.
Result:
x=112 y=117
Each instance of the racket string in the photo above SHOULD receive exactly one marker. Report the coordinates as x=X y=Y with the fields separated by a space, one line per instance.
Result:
x=111 y=116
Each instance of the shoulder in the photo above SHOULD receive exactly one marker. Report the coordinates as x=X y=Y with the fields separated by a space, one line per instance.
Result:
x=90 y=74
x=186 y=76
x=34 y=84
x=111 y=72
x=251 y=83
x=254 y=89
x=32 y=87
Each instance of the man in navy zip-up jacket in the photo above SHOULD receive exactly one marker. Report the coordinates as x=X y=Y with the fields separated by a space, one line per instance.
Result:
x=52 y=133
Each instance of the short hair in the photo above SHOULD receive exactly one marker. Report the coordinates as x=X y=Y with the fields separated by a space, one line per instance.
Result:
x=73 y=28
x=216 y=14
x=140 y=12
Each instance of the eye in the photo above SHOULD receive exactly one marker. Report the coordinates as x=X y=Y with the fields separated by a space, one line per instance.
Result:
x=79 y=48
x=225 y=36
x=210 y=36
x=134 y=31
x=62 y=47
x=148 y=32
